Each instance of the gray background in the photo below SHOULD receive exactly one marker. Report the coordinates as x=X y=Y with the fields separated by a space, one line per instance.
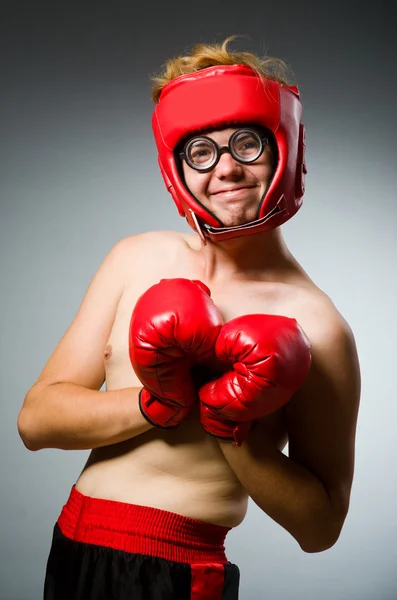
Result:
x=79 y=171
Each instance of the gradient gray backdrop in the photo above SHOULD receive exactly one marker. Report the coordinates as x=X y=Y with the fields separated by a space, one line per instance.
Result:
x=79 y=171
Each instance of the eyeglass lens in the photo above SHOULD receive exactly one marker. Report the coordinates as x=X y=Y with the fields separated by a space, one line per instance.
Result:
x=244 y=144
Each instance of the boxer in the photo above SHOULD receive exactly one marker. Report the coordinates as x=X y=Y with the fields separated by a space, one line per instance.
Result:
x=217 y=349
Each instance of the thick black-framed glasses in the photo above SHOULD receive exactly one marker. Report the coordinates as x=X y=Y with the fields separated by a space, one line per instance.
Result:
x=202 y=153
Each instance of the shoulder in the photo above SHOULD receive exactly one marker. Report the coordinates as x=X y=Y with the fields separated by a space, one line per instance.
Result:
x=335 y=362
x=321 y=320
x=147 y=257
x=149 y=238
x=335 y=370
x=151 y=243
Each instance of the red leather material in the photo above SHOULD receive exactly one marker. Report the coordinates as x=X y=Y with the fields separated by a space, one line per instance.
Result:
x=174 y=326
x=269 y=358
x=228 y=96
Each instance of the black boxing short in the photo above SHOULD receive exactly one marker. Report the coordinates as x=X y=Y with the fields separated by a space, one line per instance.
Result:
x=108 y=550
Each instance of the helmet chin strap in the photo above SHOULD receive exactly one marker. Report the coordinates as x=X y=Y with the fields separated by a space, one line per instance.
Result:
x=206 y=231
x=198 y=227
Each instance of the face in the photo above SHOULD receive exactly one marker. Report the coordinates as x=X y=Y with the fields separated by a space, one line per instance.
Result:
x=231 y=190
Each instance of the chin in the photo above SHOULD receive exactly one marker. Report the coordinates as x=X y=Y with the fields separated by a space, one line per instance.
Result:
x=235 y=220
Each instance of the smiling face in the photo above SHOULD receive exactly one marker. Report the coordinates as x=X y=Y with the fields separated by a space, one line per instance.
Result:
x=231 y=190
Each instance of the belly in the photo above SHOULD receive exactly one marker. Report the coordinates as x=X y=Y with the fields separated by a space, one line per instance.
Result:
x=181 y=470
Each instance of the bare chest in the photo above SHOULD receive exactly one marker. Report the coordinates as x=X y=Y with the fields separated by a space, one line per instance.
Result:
x=160 y=458
x=233 y=301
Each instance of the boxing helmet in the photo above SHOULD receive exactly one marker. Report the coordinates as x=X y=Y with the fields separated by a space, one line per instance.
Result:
x=224 y=96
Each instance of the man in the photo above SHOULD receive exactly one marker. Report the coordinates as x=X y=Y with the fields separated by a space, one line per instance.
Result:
x=217 y=349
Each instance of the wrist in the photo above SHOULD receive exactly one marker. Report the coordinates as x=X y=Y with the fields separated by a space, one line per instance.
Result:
x=159 y=413
x=220 y=427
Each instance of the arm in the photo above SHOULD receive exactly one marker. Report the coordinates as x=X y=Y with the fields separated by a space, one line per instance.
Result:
x=64 y=408
x=71 y=417
x=308 y=492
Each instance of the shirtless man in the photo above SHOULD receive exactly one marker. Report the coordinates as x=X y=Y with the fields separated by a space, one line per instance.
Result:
x=154 y=502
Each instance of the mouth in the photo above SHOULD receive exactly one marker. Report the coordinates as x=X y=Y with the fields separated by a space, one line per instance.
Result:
x=232 y=192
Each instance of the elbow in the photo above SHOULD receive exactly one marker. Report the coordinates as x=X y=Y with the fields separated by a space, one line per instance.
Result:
x=317 y=546
x=325 y=530
x=25 y=431
x=322 y=539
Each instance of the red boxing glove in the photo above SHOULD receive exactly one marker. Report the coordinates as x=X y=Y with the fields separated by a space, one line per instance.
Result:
x=174 y=326
x=270 y=357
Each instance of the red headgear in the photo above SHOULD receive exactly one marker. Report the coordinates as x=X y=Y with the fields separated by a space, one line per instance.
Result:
x=222 y=96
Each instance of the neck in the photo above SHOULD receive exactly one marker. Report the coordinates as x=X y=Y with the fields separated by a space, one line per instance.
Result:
x=258 y=256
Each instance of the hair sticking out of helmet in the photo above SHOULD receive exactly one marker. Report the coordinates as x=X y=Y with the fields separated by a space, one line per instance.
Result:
x=203 y=56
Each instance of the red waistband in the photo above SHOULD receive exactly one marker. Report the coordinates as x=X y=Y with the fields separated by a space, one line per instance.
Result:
x=142 y=530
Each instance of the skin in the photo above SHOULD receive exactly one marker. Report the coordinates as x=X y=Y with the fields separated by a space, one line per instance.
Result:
x=231 y=190
x=306 y=490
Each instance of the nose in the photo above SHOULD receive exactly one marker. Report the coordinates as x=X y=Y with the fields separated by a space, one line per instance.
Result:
x=228 y=166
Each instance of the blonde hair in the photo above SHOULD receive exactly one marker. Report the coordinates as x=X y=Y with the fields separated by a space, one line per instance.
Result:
x=209 y=55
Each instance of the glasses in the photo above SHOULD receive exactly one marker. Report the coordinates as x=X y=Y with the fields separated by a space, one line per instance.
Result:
x=202 y=153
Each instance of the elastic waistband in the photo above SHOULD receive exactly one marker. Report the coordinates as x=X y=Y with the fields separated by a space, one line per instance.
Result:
x=142 y=530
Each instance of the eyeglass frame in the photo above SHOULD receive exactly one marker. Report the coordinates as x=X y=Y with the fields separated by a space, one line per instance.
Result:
x=222 y=149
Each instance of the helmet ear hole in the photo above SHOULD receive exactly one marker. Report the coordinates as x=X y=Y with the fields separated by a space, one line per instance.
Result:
x=301 y=165
x=170 y=188
x=174 y=195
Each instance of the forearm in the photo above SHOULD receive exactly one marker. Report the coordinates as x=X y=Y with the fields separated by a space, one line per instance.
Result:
x=289 y=493
x=71 y=417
